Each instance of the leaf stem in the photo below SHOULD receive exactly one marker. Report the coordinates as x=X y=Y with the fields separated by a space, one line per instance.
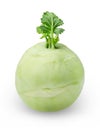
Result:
x=52 y=35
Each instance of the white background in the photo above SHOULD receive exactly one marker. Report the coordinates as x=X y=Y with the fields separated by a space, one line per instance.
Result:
x=18 y=21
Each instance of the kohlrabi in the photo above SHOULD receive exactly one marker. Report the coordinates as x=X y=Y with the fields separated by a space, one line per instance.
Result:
x=49 y=76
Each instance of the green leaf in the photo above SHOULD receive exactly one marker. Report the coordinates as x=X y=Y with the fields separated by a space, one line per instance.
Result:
x=39 y=30
x=59 y=31
x=57 y=22
x=46 y=19
x=49 y=28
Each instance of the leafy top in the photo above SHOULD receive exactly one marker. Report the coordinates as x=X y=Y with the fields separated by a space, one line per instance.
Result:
x=49 y=28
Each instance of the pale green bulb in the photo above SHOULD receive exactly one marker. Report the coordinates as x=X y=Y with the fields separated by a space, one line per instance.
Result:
x=49 y=79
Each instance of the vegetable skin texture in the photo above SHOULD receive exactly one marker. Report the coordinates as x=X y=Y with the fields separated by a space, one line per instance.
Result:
x=49 y=79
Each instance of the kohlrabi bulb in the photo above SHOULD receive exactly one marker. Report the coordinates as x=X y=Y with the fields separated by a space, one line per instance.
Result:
x=49 y=76
x=49 y=79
